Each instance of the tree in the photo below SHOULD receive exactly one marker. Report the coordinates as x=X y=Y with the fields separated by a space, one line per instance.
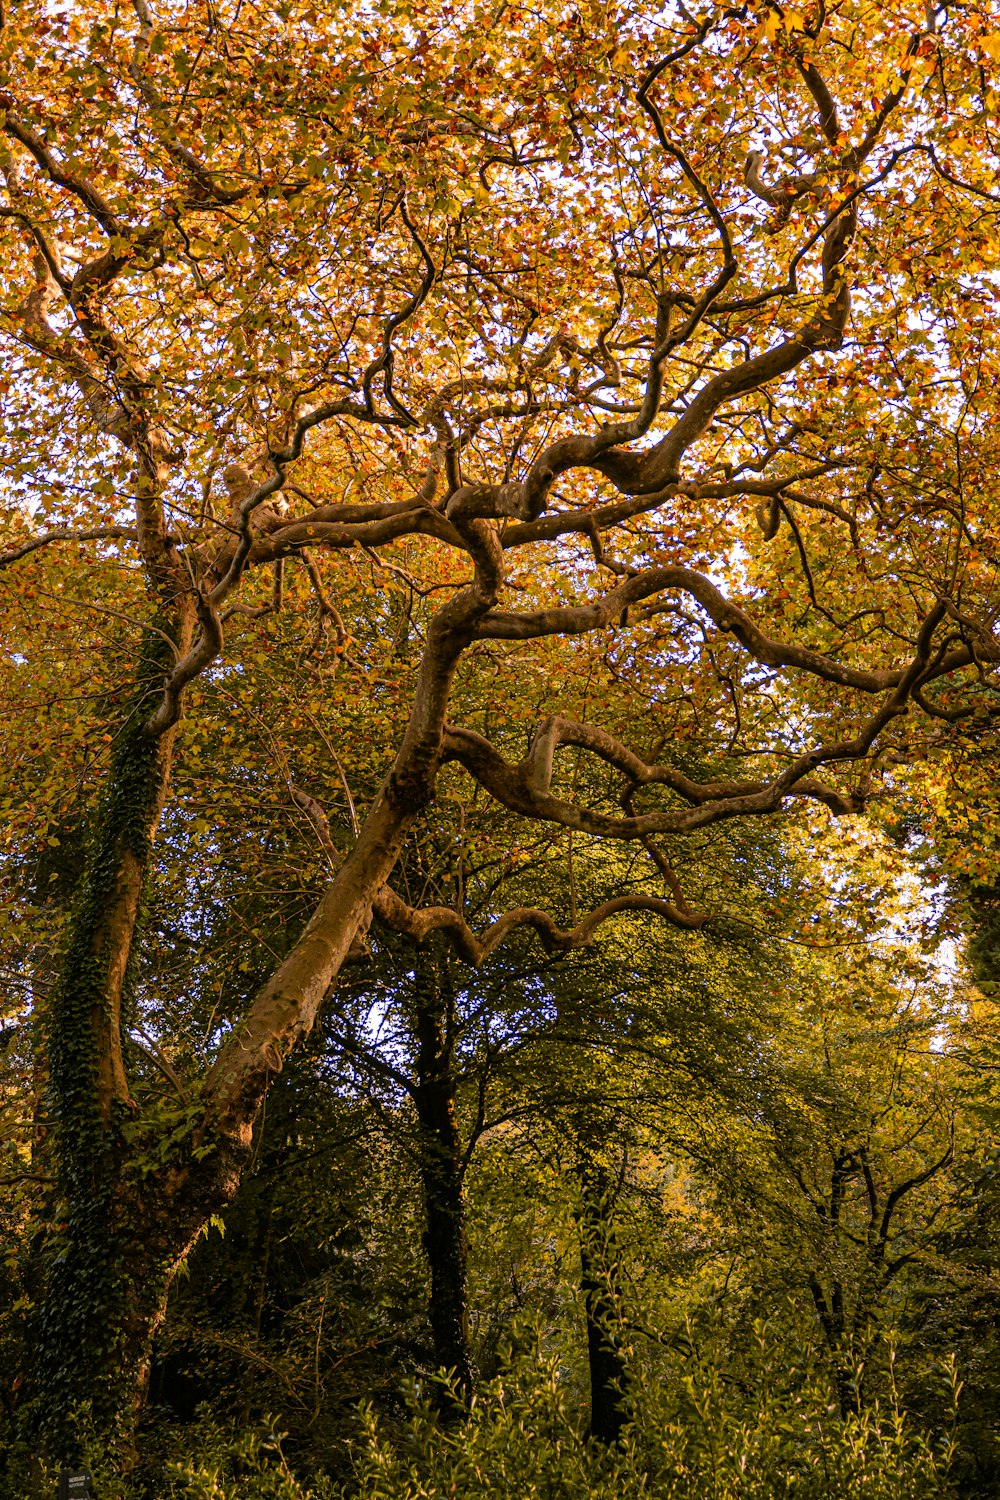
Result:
x=521 y=322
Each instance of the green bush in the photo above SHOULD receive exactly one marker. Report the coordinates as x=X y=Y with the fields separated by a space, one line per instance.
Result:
x=697 y=1434
x=251 y=1466
x=704 y=1440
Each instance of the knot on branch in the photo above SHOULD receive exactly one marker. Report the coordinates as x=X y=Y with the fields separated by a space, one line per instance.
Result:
x=240 y=483
x=768 y=514
x=782 y=195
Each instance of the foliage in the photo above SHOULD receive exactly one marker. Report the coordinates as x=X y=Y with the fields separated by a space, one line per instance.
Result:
x=521 y=1442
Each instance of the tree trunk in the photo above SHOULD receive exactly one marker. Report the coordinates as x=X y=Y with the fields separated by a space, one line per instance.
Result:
x=83 y=1365
x=441 y=1177
x=132 y=1216
x=840 y=1344
x=600 y=1266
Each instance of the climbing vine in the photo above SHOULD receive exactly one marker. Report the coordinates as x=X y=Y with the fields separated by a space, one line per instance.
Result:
x=80 y=1328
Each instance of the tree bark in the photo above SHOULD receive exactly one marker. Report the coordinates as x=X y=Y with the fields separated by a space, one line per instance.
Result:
x=83 y=1363
x=441 y=1178
x=600 y=1267
x=840 y=1342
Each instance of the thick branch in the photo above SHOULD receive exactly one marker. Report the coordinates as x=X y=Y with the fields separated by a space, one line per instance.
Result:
x=729 y=617
x=285 y=1009
x=525 y=788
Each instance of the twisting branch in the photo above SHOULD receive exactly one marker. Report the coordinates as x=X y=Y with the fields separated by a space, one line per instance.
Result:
x=419 y=923
x=383 y=361
x=526 y=788
x=202 y=176
x=206 y=648
x=729 y=617
x=67 y=534
x=728 y=269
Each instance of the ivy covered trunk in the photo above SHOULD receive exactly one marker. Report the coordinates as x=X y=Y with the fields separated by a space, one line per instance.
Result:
x=96 y=1312
x=441 y=1177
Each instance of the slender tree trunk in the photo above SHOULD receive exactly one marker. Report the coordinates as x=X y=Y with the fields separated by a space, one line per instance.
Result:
x=441 y=1176
x=840 y=1345
x=600 y=1265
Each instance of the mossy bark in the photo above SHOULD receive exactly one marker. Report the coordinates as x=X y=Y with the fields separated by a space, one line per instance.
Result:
x=95 y=1297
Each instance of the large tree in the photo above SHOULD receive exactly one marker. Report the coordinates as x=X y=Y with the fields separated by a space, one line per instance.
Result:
x=554 y=314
